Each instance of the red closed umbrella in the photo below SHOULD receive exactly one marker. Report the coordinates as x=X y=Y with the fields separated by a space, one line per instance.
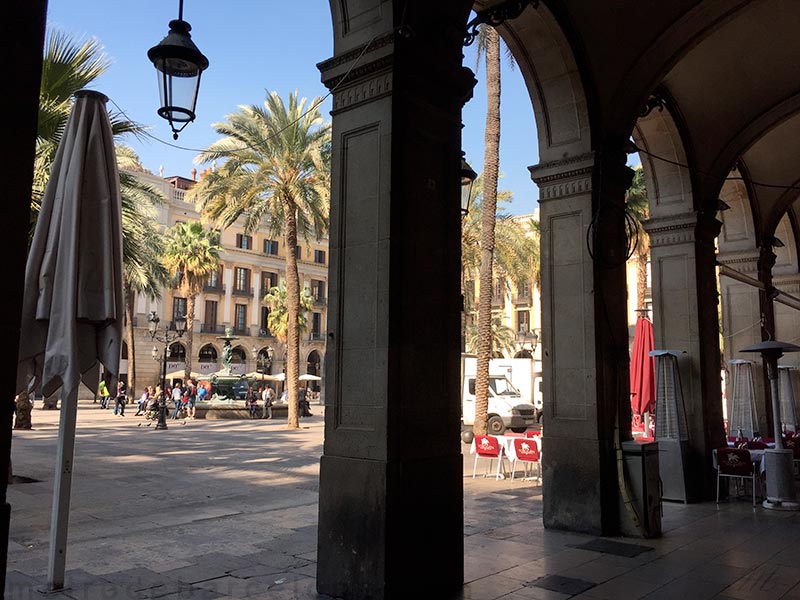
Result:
x=643 y=389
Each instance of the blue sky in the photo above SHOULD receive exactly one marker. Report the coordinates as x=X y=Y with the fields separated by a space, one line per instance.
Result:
x=253 y=46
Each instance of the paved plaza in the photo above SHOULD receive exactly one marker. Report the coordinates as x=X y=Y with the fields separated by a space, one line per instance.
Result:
x=228 y=509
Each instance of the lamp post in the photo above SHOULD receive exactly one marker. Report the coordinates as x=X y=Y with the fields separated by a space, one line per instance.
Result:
x=468 y=177
x=179 y=64
x=166 y=337
x=781 y=493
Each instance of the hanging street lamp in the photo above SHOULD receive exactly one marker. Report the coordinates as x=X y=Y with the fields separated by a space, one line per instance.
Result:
x=179 y=64
x=468 y=177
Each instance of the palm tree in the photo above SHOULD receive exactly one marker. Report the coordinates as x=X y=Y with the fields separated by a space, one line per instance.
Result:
x=142 y=269
x=637 y=206
x=278 y=320
x=502 y=337
x=491 y=160
x=191 y=253
x=67 y=66
x=275 y=172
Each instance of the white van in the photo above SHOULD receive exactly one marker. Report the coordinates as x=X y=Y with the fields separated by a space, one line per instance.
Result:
x=507 y=408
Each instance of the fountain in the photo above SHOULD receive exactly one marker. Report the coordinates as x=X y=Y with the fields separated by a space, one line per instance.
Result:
x=222 y=381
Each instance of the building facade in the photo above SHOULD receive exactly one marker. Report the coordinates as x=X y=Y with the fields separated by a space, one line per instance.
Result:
x=232 y=298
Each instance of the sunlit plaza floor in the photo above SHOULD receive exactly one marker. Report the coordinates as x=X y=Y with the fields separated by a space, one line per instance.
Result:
x=228 y=509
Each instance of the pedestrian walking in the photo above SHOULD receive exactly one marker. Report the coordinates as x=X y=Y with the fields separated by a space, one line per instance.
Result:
x=304 y=408
x=191 y=393
x=104 y=394
x=268 y=396
x=120 y=400
x=177 y=399
x=252 y=402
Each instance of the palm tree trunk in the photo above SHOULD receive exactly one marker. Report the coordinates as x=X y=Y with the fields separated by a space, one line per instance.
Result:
x=190 y=301
x=292 y=313
x=641 y=278
x=491 y=161
x=132 y=391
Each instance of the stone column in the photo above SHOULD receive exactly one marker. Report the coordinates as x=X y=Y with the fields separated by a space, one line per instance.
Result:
x=766 y=262
x=685 y=303
x=391 y=497
x=584 y=350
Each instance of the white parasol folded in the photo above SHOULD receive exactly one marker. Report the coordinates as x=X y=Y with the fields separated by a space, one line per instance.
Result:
x=72 y=308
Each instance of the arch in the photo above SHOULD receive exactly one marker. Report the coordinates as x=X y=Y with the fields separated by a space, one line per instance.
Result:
x=547 y=61
x=669 y=187
x=208 y=354
x=523 y=354
x=314 y=363
x=177 y=352
x=238 y=355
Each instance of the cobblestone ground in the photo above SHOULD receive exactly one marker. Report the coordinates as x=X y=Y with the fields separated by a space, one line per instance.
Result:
x=228 y=509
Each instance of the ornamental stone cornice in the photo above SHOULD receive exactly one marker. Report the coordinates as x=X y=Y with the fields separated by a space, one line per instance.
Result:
x=744 y=262
x=332 y=63
x=681 y=228
x=563 y=178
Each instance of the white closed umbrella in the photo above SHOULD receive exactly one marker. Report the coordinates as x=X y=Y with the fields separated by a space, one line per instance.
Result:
x=72 y=307
x=309 y=377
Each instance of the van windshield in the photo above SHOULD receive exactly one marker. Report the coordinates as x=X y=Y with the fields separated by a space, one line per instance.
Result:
x=502 y=387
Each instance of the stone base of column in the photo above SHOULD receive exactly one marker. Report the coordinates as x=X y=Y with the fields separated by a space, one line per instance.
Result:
x=389 y=529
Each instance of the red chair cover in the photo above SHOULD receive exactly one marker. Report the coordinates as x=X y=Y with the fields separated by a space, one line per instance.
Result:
x=734 y=461
x=487 y=446
x=526 y=450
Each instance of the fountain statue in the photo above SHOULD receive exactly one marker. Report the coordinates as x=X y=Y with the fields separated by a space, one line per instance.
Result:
x=223 y=379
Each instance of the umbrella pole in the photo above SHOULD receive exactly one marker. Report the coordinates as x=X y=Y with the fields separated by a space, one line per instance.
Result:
x=62 y=488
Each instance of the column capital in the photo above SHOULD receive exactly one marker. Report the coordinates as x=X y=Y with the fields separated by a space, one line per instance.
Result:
x=566 y=177
x=682 y=228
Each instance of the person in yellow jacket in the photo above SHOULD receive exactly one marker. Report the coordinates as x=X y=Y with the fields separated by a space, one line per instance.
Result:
x=104 y=395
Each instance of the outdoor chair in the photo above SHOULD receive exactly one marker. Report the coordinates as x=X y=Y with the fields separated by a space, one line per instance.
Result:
x=532 y=434
x=487 y=446
x=735 y=463
x=755 y=445
x=732 y=439
x=527 y=451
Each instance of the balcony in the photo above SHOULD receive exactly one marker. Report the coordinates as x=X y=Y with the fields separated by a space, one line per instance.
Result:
x=523 y=298
x=212 y=328
x=214 y=289
x=264 y=333
x=319 y=300
x=245 y=292
x=242 y=331
x=316 y=336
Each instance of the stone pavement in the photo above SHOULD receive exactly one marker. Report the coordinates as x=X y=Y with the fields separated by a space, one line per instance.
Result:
x=228 y=509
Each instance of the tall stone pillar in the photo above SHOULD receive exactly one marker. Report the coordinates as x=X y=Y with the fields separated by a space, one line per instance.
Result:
x=584 y=350
x=766 y=262
x=685 y=299
x=391 y=496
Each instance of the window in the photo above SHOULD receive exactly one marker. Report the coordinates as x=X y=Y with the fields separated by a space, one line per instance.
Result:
x=178 y=308
x=271 y=247
x=316 y=326
x=214 y=280
x=210 y=318
x=298 y=252
x=242 y=279
x=177 y=352
x=499 y=293
x=264 y=323
x=245 y=242
x=207 y=354
x=523 y=321
x=240 y=318
x=318 y=290
x=524 y=290
x=268 y=280
x=319 y=257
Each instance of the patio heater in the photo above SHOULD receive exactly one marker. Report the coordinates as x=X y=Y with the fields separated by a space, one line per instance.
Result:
x=781 y=493
x=788 y=406
x=672 y=430
x=742 y=413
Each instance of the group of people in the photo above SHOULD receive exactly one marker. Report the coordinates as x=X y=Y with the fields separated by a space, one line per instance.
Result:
x=267 y=397
x=120 y=398
x=185 y=398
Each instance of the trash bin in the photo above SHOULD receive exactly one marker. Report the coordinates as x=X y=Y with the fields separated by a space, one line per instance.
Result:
x=641 y=465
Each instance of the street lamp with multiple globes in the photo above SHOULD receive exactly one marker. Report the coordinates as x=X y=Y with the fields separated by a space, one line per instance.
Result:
x=263 y=360
x=166 y=336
